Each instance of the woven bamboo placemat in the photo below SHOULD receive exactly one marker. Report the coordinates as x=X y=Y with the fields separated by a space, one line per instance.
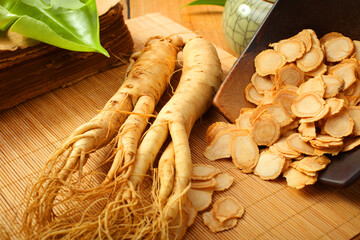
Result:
x=31 y=131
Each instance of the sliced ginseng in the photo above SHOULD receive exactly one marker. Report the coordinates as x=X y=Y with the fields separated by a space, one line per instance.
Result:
x=200 y=199
x=178 y=226
x=353 y=93
x=357 y=49
x=269 y=97
x=289 y=74
x=320 y=70
x=286 y=97
x=307 y=130
x=335 y=104
x=275 y=110
x=338 y=48
x=220 y=145
x=333 y=85
x=227 y=208
x=354 y=112
x=266 y=130
x=199 y=184
x=203 y=172
x=243 y=121
x=215 y=225
x=291 y=49
x=314 y=38
x=313 y=164
x=295 y=165
x=269 y=165
x=329 y=36
x=297 y=179
x=308 y=104
x=311 y=60
x=339 y=125
x=262 y=84
x=223 y=182
x=294 y=141
x=318 y=144
x=346 y=71
x=190 y=211
x=305 y=37
x=350 y=143
x=323 y=113
x=252 y=95
x=268 y=61
x=315 y=84
x=283 y=148
x=214 y=129
x=244 y=152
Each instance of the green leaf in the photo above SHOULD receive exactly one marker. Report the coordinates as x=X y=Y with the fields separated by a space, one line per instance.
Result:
x=207 y=2
x=68 y=24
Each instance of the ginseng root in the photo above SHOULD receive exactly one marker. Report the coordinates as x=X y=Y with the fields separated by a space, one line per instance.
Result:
x=146 y=80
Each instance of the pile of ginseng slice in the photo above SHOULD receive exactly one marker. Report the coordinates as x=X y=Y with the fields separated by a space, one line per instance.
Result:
x=306 y=91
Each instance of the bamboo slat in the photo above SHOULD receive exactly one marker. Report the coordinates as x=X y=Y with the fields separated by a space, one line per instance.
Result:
x=31 y=131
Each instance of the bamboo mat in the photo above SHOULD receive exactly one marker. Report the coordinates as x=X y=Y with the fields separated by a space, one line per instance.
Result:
x=31 y=131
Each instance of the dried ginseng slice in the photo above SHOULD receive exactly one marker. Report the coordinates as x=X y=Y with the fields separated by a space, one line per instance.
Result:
x=294 y=141
x=266 y=130
x=243 y=121
x=223 y=182
x=315 y=84
x=275 y=110
x=335 y=104
x=347 y=72
x=308 y=104
x=357 y=49
x=314 y=39
x=268 y=61
x=323 y=113
x=269 y=165
x=338 y=48
x=320 y=70
x=178 y=227
x=313 y=163
x=200 y=184
x=289 y=75
x=329 y=36
x=252 y=95
x=190 y=211
x=311 y=60
x=262 y=84
x=286 y=97
x=297 y=179
x=333 y=85
x=214 y=129
x=244 y=152
x=295 y=165
x=215 y=225
x=203 y=172
x=291 y=49
x=227 y=208
x=339 y=125
x=354 y=112
x=220 y=146
x=284 y=149
x=305 y=37
x=200 y=199
x=350 y=143
x=353 y=93
x=307 y=130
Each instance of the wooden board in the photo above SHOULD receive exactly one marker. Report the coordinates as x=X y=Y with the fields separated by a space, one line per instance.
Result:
x=31 y=131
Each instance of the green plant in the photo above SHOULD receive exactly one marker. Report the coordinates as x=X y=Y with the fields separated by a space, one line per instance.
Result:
x=207 y=2
x=68 y=24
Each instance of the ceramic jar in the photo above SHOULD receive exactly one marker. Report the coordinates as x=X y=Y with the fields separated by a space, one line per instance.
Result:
x=241 y=19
